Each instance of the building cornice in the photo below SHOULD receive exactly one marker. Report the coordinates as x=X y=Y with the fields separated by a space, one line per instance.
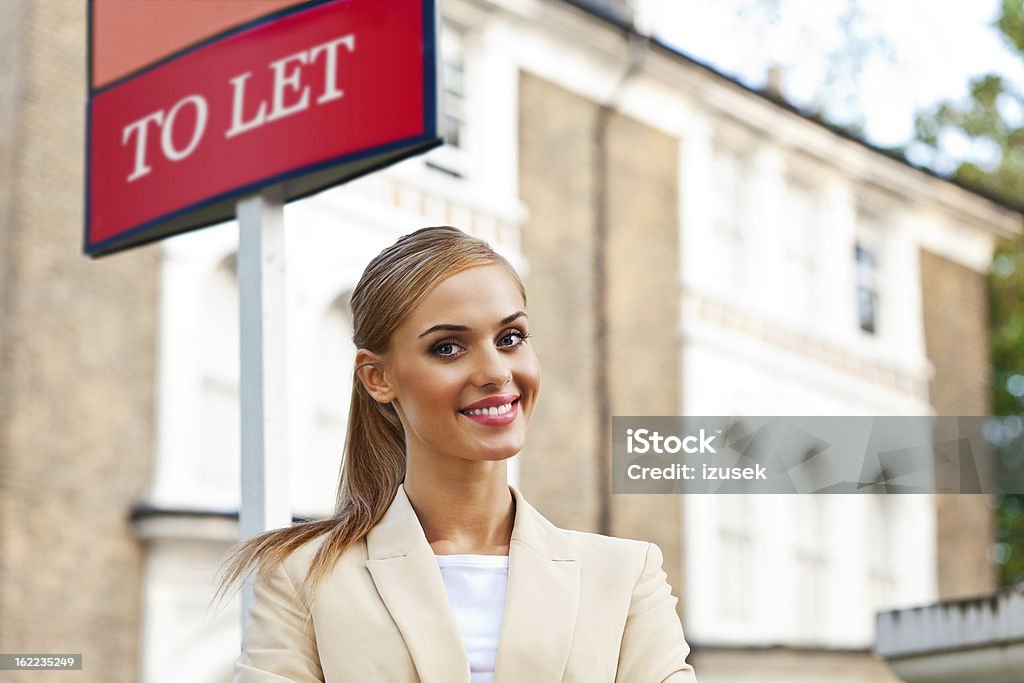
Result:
x=156 y=523
x=978 y=639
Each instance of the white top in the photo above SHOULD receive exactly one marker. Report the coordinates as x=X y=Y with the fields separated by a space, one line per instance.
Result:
x=476 y=590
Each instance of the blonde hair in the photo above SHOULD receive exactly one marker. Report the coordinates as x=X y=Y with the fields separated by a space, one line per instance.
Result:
x=373 y=462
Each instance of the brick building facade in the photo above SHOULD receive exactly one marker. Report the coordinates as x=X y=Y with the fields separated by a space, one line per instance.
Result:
x=77 y=371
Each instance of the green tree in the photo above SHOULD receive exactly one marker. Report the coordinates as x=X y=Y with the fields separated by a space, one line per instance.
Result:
x=991 y=119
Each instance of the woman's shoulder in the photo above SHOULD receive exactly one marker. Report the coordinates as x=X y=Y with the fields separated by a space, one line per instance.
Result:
x=610 y=551
x=610 y=560
x=592 y=544
x=298 y=561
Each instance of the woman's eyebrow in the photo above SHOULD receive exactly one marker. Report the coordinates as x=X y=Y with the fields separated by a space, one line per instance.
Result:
x=462 y=328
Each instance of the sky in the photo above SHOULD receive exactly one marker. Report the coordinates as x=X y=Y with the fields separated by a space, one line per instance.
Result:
x=928 y=51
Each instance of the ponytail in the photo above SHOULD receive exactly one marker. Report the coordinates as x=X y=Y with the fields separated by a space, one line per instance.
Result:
x=373 y=467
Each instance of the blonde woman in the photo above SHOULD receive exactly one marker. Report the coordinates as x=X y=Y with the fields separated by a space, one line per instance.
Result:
x=434 y=569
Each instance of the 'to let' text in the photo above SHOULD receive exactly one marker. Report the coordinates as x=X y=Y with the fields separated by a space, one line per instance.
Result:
x=289 y=95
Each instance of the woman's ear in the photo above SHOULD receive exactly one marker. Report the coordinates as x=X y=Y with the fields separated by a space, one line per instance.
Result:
x=369 y=368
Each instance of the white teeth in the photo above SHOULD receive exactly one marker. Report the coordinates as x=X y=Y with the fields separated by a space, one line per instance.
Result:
x=493 y=410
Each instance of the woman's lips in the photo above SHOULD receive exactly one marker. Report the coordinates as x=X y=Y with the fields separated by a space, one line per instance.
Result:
x=489 y=418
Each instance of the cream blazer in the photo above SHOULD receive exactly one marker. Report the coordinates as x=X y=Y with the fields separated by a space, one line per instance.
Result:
x=579 y=607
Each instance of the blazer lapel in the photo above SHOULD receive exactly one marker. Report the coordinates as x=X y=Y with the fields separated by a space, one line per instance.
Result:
x=409 y=581
x=541 y=603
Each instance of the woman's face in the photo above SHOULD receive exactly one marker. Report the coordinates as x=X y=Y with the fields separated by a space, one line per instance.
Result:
x=460 y=374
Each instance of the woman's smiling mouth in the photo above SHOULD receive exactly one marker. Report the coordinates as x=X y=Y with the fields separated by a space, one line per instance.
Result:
x=494 y=415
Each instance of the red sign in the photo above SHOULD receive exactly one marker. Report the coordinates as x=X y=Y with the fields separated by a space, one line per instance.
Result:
x=307 y=97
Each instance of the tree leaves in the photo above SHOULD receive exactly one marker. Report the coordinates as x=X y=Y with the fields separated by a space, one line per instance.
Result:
x=1011 y=24
x=992 y=119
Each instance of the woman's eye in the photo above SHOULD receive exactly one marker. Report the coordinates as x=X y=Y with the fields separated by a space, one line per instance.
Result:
x=446 y=349
x=518 y=336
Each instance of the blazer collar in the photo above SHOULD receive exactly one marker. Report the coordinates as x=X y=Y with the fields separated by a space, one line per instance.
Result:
x=541 y=603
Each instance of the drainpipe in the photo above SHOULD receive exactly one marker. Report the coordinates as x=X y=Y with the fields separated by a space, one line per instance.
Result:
x=637 y=46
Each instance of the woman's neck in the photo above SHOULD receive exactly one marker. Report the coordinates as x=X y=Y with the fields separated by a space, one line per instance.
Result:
x=465 y=515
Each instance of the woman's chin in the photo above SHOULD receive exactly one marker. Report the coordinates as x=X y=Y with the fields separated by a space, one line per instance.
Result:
x=497 y=453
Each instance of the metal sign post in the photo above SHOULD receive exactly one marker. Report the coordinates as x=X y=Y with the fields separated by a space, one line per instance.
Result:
x=261 y=288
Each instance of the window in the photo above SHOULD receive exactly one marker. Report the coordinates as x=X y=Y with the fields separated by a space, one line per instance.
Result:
x=798 y=242
x=451 y=158
x=811 y=566
x=727 y=214
x=867 y=287
x=219 y=414
x=735 y=556
x=335 y=362
x=454 y=87
x=881 y=581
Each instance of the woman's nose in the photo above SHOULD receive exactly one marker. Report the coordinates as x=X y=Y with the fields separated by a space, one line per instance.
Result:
x=493 y=369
